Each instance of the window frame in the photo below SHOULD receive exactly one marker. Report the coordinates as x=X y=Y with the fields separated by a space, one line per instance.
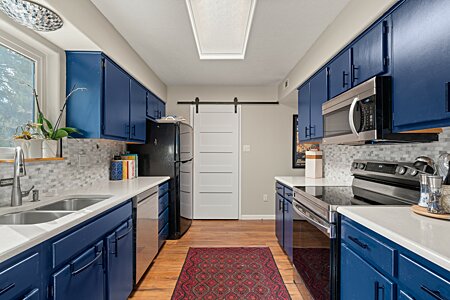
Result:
x=39 y=64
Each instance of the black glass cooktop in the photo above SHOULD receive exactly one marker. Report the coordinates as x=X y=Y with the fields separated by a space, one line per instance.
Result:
x=347 y=195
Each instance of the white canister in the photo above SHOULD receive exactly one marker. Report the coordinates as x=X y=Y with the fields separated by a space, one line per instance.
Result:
x=35 y=148
x=49 y=148
x=313 y=164
x=25 y=145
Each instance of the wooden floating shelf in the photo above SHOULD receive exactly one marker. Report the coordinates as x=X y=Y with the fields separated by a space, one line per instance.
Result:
x=34 y=159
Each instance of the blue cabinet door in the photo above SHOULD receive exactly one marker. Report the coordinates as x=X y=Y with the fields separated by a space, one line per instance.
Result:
x=304 y=112
x=119 y=273
x=17 y=280
x=339 y=74
x=420 y=64
x=33 y=295
x=82 y=278
x=319 y=94
x=288 y=229
x=138 y=99
x=162 y=109
x=369 y=54
x=279 y=220
x=360 y=281
x=402 y=295
x=116 y=99
x=152 y=106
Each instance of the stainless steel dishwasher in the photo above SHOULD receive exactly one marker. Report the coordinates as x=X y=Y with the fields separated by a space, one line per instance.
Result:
x=146 y=230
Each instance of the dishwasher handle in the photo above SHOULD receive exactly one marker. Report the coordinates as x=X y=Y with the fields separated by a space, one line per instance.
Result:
x=328 y=230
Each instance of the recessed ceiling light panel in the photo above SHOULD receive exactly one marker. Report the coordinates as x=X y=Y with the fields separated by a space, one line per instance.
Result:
x=221 y=28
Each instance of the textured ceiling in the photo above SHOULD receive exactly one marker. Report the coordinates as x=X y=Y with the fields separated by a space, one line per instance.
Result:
x=161 y=33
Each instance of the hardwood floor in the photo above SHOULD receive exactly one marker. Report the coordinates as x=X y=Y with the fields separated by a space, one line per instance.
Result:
x=161 y=279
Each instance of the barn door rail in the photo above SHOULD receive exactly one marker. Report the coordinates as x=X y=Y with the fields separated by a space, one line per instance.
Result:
x=235 y=102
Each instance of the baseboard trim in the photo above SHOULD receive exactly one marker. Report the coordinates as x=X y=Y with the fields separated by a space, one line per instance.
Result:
x=257 y=217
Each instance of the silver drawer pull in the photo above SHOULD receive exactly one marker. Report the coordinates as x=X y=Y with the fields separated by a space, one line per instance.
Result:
x=88 y=264
x=7 y=288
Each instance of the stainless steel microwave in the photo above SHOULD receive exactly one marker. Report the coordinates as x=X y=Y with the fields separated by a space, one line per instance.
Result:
x=363 y=115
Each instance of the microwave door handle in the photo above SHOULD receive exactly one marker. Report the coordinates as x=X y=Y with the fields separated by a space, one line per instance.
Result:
x=350 y=117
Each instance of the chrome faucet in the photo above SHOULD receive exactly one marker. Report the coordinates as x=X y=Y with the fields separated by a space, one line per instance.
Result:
x=19 y=171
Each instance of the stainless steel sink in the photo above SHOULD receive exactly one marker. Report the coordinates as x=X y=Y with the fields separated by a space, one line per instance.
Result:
x=31 y=217
x=72 y=204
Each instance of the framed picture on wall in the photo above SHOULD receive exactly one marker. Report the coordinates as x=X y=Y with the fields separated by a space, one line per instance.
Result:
x=298 y=148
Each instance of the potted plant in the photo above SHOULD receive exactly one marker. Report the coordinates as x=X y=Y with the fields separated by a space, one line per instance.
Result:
x=52 y=133
x=30 y=139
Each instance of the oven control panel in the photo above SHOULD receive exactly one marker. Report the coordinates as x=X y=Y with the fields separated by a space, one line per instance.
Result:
x=391 y=169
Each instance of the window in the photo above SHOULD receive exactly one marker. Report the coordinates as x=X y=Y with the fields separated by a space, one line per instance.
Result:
x=17 y=80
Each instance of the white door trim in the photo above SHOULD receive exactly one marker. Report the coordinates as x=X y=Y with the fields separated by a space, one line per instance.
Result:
x=191 y=122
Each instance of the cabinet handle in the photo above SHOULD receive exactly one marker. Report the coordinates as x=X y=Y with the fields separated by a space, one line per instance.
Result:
x=435 y=294
x=286 y=208
x=354 y=77
x=378 y=287
x=125 y=234
x=358 y=242
x=306 y=131
x=7 y=288
x=99 y=254
x=311 y=132
x=344 y=82
x=447 y=95
x=133 y=130
x=289 y=194
x=127 y=129
x=280 y=205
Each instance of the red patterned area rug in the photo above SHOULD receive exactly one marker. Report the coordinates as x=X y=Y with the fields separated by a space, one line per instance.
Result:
x=230 y=273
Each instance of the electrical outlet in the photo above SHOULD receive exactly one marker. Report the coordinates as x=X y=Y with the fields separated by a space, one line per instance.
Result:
x=265 y=198
x=246 y=148
x=83 y=160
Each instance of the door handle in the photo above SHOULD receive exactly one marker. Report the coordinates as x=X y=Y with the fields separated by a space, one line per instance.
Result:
x=354 y=77
x=306 y=131
x=378 y=287
x=311 y=132
x=99 y=254
x=344 y=81
x=351 y=114
x=133 y=130
x=127 y=129
x=435 y=294
x=447 y=95
x=280 y=204
x=358 y=242
x=7 y=288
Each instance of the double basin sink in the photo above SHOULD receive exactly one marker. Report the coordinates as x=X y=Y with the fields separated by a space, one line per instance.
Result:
x=51 y=212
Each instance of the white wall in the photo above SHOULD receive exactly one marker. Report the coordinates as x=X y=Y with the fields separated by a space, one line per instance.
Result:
x=266 y=128
x=87 y=28
x=353 y=20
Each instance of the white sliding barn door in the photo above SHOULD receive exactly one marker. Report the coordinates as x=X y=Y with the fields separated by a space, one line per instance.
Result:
x=216 y=164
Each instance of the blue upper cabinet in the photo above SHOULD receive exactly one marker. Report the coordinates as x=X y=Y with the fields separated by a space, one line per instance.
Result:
x=369 y=54
x=114 y=104
x=420 y=64
x=116 y=101
x=319 y=94
x=156 y=109
x=138 y=103
x=304 y=112
x=162 y=109
x=339 y=74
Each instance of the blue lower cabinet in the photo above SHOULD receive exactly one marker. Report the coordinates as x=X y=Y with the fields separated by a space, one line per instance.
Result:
x=402 y=295
x=279 y=218
x=119 y=266
x=18 y=280
x=163 y=219
x=288 y=229
x=360 y=281
x=82 y=278
x=33 y=295
x=163 y=235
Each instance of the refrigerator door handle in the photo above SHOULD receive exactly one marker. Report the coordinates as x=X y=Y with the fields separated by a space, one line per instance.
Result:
x=186 y=161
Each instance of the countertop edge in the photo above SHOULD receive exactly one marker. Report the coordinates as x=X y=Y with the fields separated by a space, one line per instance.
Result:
x=85 y=215
x=412 y=246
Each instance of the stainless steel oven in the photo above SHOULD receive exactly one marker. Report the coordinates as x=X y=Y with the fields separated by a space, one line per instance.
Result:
x=364 y=115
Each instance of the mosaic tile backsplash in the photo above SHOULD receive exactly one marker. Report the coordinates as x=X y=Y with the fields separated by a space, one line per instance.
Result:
x=338 y=158
x=53 y=177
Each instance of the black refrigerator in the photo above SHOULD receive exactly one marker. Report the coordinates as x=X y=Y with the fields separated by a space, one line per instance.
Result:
x=169 y=152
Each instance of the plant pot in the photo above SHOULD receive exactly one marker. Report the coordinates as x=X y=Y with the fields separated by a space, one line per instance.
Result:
x=35 y=148
x=49 y=148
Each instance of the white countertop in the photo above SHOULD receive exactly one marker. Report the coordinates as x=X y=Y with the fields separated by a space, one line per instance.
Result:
x=18 y=238
x=292 y=181
x=427 y=237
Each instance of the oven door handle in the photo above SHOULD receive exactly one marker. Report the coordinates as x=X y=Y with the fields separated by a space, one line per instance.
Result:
x=351 y=115
x=299 y=210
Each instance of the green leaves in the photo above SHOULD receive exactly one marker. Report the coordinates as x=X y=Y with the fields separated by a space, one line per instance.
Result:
x=50 y=133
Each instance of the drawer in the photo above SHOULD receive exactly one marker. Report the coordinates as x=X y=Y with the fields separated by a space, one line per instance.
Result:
x=279 y=188
x=163 y=203
x=163 y=235
x=422 y=282
x=33 y=295
x=68 y=246
x=163 y=188
x=20 y=278
x=372 y=250
x=288 y=194
x=163 y=219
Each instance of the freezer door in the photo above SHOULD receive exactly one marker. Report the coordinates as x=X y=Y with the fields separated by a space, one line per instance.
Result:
x=186 y=141
x=186 y=190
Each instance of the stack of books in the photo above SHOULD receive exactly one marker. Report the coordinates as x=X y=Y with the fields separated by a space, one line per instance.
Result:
x=124 y=167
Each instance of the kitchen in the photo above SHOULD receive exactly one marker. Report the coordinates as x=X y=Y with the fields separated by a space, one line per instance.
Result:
x=224 y=150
